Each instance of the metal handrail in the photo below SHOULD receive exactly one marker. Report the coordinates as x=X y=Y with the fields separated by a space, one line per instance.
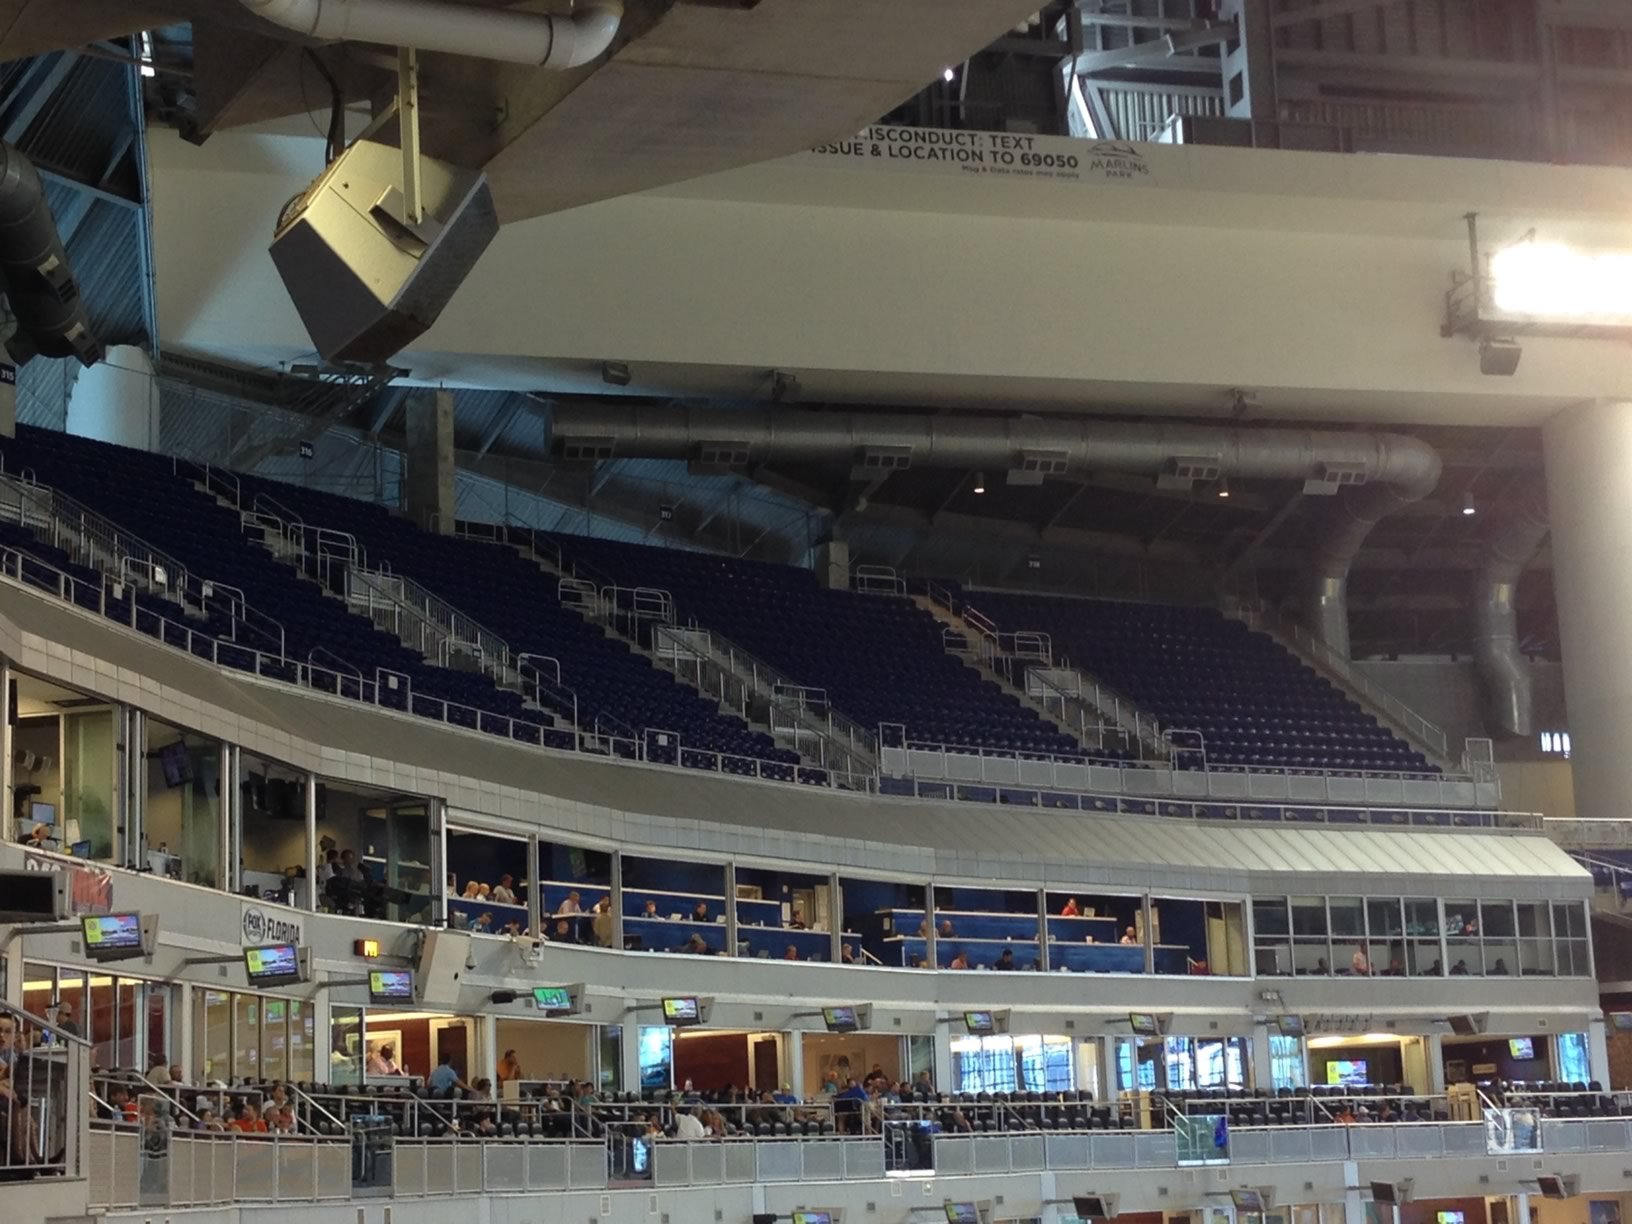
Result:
x=1313 y=649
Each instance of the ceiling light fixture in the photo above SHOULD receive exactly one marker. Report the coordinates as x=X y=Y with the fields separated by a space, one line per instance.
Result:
x=948 y=75
x=1223 y=488
x=1468 y=507
x=980 y=482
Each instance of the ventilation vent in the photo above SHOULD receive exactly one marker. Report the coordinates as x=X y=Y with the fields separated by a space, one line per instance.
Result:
x=758 y=1016
x=1045 y=463
x=884 y=458
x=1183 y=472
x=722 y=454
x=584 y=450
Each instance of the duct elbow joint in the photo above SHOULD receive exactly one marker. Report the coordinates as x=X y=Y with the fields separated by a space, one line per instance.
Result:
x=585 y=36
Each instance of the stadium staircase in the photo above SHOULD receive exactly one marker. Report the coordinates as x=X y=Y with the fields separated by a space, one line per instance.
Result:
x=718 y=670
x=1398 y=717
x=1022 y=664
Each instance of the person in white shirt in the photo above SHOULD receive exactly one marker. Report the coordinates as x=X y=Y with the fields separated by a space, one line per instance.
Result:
x=572 y=904
x=503 y=894
x=687 y=1126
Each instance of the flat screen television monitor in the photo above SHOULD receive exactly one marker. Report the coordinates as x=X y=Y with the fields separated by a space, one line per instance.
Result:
x=1463 y=1026
x=1384 y=1192
x=1450 y=1217
x=1521 y=1047
x=840 y=1019
x=552 y=998
x=1247 y=1199
x=640 y=1155
x=1347 y=1072
x=43 y=813
x=681 y=1011
x=391 y=986
x=272 y=965
x=1290 y=1026
x=1144 y=1024
x=177 y=764
x=1552 y=1186
x=1621 y=1022
x=1093 y=1207
x=813 y=1217
x=112 y=936
x=979 y=1022
x=962 y=1213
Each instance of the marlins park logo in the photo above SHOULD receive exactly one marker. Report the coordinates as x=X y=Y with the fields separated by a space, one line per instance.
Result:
x=1115 y=160
x=263 y=928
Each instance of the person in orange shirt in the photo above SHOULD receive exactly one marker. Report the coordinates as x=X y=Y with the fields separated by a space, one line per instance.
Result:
x=1071 y=910
x=249 y=1120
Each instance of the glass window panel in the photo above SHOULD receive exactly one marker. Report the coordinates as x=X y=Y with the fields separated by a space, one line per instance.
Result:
x=1574 y=1062
x=302 y=1042
x=1421 y=916
x=1461 y=918
x=182 y=816
x=1180 y=1058
x=88 y=781
x=101 y=1016
x=1569 y=919
x=1269 y=917
x=246 y=1036
x=275 y=1038
x=1536 y=958
x=1496 y=919
x=158 y=997
x=212 y=1036
x=1308 y=915
x=346 y=1045
x=1535 y=920
x=1286 y=1065
x=1348 y=918
x=1312 y=956
x=1383 y=918
x=984 y=1064
x=39 y=987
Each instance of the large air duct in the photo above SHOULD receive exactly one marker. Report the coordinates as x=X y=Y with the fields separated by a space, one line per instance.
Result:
x=514 y=36
x=1376 y=472
x=39 y=284
x=1514 y=543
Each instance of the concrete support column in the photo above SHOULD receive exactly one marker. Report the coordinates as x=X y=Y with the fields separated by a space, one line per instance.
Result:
x=1598 y=1050
x=833 y=564
x=429 y=486
x=793 y=1073
x=8 y=400
x=1589 y=496
x=1263 y=1069
x=116 y=400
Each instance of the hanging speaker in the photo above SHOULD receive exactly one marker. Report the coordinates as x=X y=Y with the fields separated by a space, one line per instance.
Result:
x=367 y=279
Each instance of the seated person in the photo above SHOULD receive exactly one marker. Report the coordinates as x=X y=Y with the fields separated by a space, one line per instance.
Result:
x=797 y=922
x=1360 y=963
x=791 y=954
x=696 y=945
x=1130 y=936
x=504 y=893
x=1005 y=959
x=944 y=931
x=573 y=904
x=472 y=889
x=1071 y=909
x=383 y=1061
x=960 y=960
x=443 y=1079
x=650 y=910
x=700 y=913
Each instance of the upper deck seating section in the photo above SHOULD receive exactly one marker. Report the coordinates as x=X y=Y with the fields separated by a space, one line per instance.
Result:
x=1193 y=668
x=143 y=494
x=515 y=599
x=879 y=659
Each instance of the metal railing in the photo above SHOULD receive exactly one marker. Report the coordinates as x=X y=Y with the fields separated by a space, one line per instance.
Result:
x=152 y=1164
x=43 y=1084
x=724 y=671
x=877 y=580
x=1089 y=710
x=1309 y=647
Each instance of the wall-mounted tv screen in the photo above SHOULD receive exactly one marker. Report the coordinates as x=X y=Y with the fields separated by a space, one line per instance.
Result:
x=1348 y=1072
x=391 y=986
x=813 y=1217
x=112 y=936
x=272 y=965
x=979 y=1022
x=177 y=764
x=680 y=1011
x=552 y=998
x=1450 y=1217
x=840 y=1019
x=1521 y=1047
x=1144 y=1024
x=1290 y=1026
x=962 y=1213
x=1621 y=1022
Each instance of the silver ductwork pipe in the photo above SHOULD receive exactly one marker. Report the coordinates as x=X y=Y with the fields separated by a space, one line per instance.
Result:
x=1512 y=546
x=1376 y=472
x=34 y=272
x=514 y=36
